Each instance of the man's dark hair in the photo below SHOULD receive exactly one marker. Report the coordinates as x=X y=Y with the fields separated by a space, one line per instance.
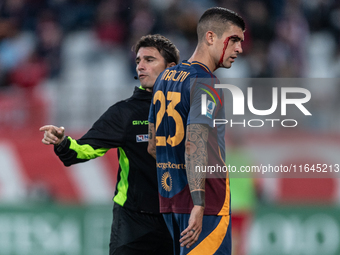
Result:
x=217 y=19
x=165 y=47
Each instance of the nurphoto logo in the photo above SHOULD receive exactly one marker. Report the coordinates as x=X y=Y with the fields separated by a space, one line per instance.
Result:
x=208 y=106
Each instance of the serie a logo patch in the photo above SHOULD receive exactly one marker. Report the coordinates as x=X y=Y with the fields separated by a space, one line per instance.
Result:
x=210 y=109
x=142 y=138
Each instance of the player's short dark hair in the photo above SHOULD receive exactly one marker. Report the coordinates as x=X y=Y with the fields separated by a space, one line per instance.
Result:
x=217 y=19
x=165 y=47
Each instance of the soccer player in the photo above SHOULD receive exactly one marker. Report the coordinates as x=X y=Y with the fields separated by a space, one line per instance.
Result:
x=196 y=208
x=137 y=226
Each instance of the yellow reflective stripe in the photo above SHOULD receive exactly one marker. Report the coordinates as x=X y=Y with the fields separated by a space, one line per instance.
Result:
x=85 y=151
x=123 y=183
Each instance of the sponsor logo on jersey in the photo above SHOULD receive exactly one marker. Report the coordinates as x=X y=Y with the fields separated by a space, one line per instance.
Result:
x=167 y=181
x=142 y=138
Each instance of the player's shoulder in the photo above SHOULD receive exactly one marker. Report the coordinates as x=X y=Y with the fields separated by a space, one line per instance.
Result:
x=185 y=70
x=195 y=69
x=181 y=75
x=202 y=71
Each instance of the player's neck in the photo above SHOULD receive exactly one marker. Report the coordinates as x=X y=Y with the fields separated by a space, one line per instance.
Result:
x=201 y=55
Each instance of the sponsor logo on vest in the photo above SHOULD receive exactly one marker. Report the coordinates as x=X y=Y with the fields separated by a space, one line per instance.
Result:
x=142 y=138
x=140 y=122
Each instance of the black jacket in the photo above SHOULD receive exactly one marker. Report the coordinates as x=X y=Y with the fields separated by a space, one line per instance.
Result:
x=124 y=126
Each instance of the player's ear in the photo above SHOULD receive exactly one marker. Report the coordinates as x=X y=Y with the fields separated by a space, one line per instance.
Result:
x=210 y=37
x=170 y=64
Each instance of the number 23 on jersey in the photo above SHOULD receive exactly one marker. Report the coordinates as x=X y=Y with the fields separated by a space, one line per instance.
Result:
x=169 y=109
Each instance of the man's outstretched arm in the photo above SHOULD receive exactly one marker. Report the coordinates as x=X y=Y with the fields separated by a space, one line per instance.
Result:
x=195 y=155
x=68 y=150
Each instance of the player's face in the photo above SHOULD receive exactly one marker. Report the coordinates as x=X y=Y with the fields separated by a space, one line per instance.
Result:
x=149 y=64
x=229 y=46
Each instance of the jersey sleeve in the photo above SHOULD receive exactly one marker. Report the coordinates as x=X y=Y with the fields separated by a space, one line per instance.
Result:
x=205 y=102
x=107 y=132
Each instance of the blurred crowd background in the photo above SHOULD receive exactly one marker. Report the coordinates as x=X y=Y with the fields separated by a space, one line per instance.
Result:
x=82 y=48
x=64 y=62
x=284 y=38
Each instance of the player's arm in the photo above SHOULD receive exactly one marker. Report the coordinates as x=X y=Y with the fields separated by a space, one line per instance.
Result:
x=195 y=155
x=152 y=140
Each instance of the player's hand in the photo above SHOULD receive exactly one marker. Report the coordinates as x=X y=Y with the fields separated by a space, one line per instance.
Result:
x=191 y=233
x=53 y=135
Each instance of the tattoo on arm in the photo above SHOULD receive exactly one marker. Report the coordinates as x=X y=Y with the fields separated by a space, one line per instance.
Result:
x=152 y=140
x=151 y=126
x=196 y=154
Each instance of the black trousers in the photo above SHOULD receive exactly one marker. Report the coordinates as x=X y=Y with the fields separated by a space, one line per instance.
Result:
x=135 y=233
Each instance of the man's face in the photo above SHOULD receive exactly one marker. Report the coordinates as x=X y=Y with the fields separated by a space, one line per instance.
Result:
x=229 y=46
x=149 y=64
